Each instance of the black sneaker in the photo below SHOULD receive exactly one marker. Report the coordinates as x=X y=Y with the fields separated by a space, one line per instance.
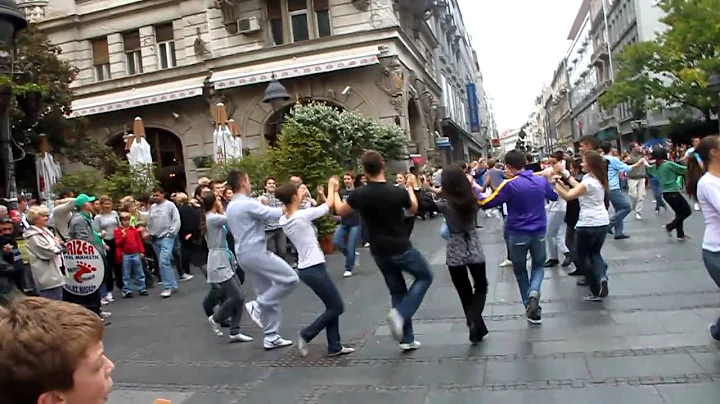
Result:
x=534 y=319
x=552 y=263
x=622 y=237
x=532 y=309
x=575 y=273
x=143 y=293
x=567 y=261
x=127 y=295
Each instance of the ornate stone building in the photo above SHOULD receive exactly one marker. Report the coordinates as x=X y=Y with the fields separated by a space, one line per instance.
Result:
x=170 y=62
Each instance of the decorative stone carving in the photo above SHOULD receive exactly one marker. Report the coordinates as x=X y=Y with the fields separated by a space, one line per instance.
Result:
x=393 y=83
x=214 y=97
x=200 y=46
x=33 y=10
x=362 y=5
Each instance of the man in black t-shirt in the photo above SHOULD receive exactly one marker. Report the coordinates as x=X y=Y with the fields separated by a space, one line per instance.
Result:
x=349 y=227
x=382 y=208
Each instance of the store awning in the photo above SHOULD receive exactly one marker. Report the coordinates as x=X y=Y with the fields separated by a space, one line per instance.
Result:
x=296 y=67
x=138 y=96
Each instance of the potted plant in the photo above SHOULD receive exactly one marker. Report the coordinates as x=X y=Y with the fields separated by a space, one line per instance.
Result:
x=326 y=229
x=203 y=161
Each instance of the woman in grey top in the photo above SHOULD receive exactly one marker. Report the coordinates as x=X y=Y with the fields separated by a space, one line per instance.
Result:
x=464 y=251
x=105 y=223
x=220 y=270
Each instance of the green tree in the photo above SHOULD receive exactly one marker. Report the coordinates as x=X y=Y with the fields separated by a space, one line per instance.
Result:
x=672 y=70
x=125 y=180
x=256 y=165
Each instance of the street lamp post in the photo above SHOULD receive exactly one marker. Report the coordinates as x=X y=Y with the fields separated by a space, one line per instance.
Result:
x=713 y=85
x=11 y=21
x=276 y=94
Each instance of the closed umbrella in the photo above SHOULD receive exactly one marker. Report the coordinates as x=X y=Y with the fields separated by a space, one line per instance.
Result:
x=227 y=144
x=47 y=169
x=137 y=146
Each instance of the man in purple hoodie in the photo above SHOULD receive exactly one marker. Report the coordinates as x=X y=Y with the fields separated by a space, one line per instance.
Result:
x=524 y=195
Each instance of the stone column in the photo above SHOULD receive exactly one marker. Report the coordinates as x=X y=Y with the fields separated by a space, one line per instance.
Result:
x=117 y=56
x=148 y=49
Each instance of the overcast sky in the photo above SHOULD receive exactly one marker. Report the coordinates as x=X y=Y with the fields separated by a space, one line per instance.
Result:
x=519 y=45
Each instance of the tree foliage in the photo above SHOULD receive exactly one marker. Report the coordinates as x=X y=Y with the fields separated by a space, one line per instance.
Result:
x=673 y=69
x=256 y=165
x=125 y=180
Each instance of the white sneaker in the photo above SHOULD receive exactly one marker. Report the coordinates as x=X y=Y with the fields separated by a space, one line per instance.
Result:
x=278 y=342
x=396 y=323
x=186 y=277
x=109 y=297
x=302 y=345
x=506 y=263
x=254 y=313
x=215 y=326
x=166 y=293
x=347 y=274
x=638 y=216
x=104 y=301
x=240 y=337
x=344 y=351
x=411 y=346
x=696 y=206
x=105 y=314
x=366 y=245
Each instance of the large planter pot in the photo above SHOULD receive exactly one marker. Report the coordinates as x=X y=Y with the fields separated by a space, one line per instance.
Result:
x=326 y=244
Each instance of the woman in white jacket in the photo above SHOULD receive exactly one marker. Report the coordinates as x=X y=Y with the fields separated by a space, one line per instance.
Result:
x=45 y=254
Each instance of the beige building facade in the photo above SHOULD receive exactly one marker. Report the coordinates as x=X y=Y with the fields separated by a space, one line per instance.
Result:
x=170 y=62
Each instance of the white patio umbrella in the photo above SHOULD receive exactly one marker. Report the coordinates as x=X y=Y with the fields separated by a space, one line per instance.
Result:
x=47 y=169
x=137 y=147
x=227 y=143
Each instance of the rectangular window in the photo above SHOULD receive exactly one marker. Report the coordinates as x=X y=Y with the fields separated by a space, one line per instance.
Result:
x=101 y=59
x=299 y=27
x=275 y=21
x=298 y=20
x=165 y=40
x=322 y=15
x=133 y=56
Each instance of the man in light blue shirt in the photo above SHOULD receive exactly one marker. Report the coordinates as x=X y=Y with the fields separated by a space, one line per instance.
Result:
x=272 y=278
x=620 y=202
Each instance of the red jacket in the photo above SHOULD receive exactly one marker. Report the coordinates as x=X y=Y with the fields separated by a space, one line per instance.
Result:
x=128 y=243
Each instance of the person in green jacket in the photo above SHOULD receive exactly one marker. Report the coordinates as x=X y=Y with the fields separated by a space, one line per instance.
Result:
x=667 y=173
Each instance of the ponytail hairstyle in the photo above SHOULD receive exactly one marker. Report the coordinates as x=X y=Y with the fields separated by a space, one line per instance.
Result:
x=597 y=166
x=698 y=162
x=208 y=204
x=659 y=154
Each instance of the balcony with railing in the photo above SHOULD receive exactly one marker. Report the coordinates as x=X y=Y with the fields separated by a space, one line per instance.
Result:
x=601 y=54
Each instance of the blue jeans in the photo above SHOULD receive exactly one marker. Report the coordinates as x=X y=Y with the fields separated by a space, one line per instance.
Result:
x=657 y=192
x=317 y=279
x=589 y=259
x=164 y=248
x=132 y=268
x=622 y=207
x=406 y=301
x=348 y=250
x=520 y=244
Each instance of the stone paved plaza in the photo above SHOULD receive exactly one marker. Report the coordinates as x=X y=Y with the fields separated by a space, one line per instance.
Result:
x=646 y=344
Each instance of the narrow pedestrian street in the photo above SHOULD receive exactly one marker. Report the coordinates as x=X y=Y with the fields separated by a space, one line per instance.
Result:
x=647 y=343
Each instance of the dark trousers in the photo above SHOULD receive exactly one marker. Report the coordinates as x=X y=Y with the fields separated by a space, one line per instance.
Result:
x=214 y=296
x=589 y=260
x=113 y=273
x=90 y=302
x=682 y=210
x=232 y=306
x=317 y=279
x=472 y=296
x=405 y=300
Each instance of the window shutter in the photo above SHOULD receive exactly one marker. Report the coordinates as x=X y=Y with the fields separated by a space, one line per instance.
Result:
x=100 y=52
x=274 y=10
x=321 y=5
x=297 y=5
x=131 y=41
x=164 y=33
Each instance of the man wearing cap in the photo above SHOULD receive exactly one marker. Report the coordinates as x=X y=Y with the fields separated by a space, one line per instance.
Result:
x=81 y=228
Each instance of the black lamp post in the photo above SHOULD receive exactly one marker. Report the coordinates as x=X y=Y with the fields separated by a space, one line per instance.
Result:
x=275 y=94
x=713 y=85
x=11 y=21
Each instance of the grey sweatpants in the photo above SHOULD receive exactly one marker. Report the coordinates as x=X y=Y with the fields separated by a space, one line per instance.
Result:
x=272 y=279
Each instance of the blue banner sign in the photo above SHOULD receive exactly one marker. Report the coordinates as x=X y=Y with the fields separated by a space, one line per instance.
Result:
x=443 y=143
x=473 y=107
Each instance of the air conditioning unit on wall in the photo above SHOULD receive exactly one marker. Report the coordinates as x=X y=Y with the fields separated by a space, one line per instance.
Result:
x=248 y=25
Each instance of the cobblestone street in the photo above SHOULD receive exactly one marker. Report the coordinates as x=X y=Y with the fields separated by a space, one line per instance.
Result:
x=647 y=343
